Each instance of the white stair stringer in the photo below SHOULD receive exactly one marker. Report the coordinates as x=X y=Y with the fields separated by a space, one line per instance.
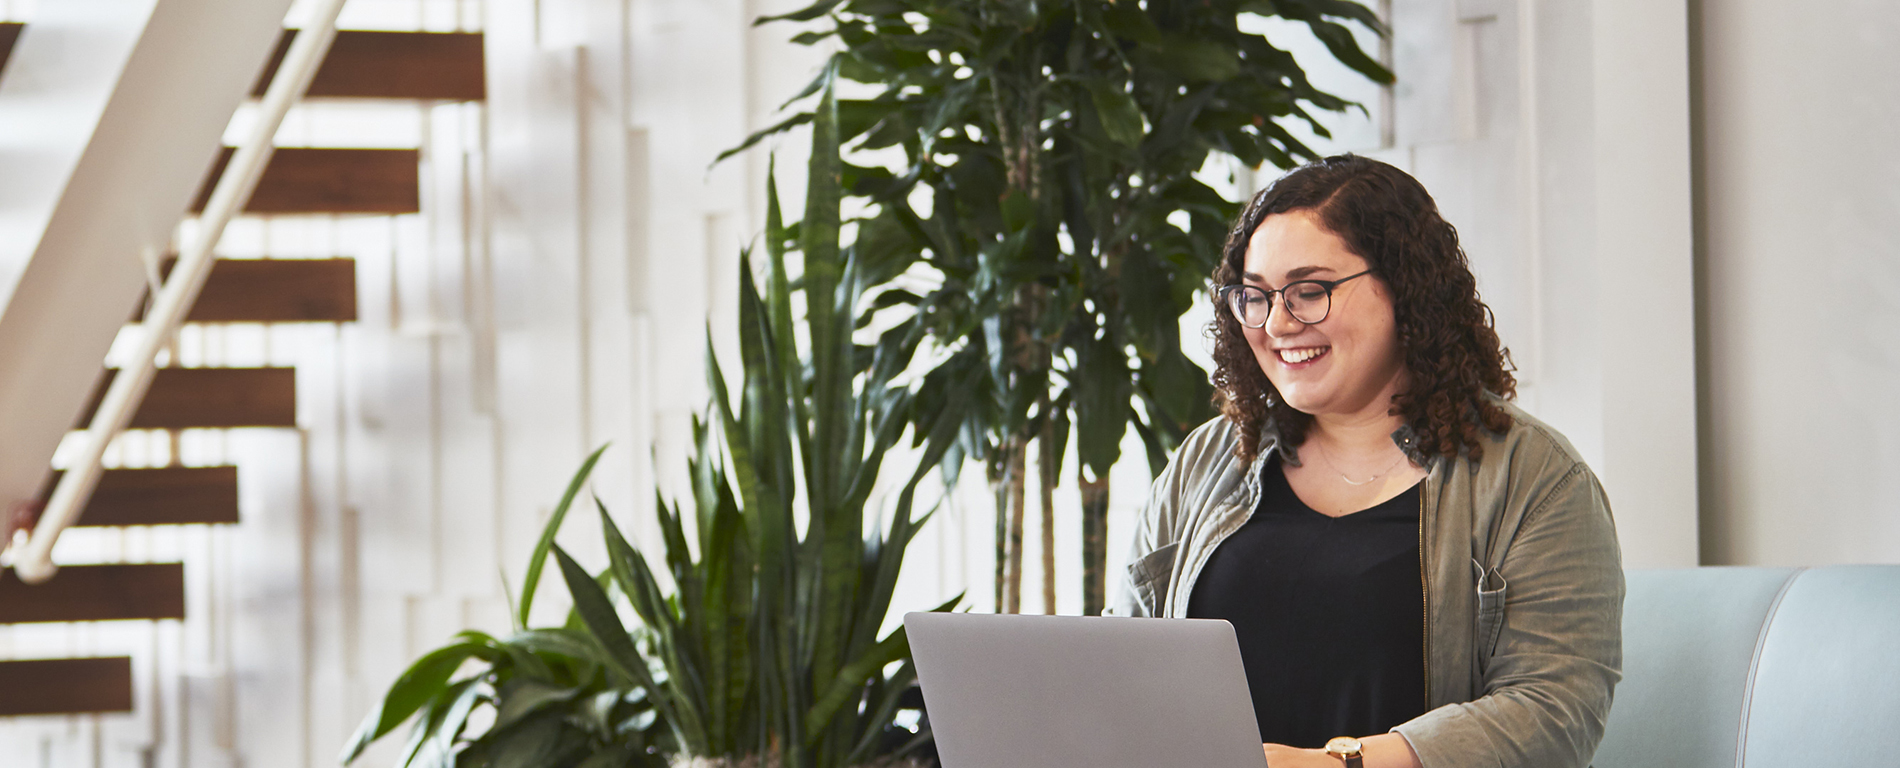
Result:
x=111 y=113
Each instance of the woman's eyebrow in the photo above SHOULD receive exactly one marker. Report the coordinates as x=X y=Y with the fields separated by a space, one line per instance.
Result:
x=1291 y=274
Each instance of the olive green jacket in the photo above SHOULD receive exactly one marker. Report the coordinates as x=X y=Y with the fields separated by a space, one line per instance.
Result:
x=1523 y=586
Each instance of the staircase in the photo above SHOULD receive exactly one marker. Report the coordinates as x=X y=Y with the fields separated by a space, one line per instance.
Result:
x=301 y=181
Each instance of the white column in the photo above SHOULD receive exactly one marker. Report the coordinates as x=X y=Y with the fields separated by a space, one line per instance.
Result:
x=1646 y=297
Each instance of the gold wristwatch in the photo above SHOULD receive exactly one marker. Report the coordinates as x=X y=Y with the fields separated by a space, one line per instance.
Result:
x=1348 y=750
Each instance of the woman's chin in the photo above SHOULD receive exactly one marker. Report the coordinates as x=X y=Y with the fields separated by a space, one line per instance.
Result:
x=1308 y=403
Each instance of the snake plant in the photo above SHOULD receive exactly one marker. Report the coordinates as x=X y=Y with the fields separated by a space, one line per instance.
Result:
x=763 y=643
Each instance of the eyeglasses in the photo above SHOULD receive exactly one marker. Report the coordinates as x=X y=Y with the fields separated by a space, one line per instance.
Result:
x=1308 y=301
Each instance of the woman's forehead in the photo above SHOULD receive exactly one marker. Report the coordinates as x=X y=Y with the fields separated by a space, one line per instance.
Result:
x=1293 y=246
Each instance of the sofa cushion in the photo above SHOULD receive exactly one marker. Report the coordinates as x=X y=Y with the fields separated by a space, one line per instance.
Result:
x=1827 y=685
x=1689 y=639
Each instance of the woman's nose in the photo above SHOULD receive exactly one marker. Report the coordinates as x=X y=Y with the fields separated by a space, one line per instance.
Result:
x=1280 y=322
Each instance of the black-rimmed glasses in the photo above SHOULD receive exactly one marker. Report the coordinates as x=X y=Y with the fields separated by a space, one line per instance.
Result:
x=1308 y=301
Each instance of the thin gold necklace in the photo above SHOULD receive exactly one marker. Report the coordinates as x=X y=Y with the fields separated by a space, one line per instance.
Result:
x=1324 y=456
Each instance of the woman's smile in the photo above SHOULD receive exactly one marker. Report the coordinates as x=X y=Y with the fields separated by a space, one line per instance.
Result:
x=1301 y=358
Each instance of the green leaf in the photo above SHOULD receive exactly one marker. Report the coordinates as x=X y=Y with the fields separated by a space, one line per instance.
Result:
x=535 y=742
x=603 y=623
x=1129 y=20
x=1101 y=404
x=1198 y=59
x=1340 y=41
x=442 y=720
x=807 y=13
x=1120 y=115
x=547 y=537
x=760 y=135
x=850 y=680
x=426 y=679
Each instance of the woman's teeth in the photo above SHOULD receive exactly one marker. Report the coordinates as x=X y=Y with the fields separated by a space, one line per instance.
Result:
x=1302 y=354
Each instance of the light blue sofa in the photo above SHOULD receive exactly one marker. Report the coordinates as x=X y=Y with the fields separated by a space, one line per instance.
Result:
x=1739 y=667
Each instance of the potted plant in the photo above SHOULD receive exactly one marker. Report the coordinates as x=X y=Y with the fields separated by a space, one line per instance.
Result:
x=766 y=650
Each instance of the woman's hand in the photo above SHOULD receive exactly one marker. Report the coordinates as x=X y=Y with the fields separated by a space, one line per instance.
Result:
x=1283 y=756
x=1386 y=750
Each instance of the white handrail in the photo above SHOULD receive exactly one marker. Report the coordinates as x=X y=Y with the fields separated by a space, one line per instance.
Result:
x=33 y=561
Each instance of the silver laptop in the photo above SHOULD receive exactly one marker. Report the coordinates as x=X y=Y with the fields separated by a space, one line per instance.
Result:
x=1084 y=692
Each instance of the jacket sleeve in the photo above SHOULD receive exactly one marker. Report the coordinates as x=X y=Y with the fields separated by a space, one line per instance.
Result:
x=1134 y=586
x=1558 y=656
x=1141 y=584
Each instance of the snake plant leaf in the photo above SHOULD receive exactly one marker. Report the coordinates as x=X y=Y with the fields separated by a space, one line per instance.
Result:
x=881 y=707
x=540 y=556
x=849 y=682
x=421 y=683
x=597 y=612
x=636 y=580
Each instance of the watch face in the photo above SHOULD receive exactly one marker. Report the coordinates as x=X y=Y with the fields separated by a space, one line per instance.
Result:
x=1343 y=745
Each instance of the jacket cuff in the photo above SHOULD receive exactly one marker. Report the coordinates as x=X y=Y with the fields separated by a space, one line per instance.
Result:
x=1448 y=737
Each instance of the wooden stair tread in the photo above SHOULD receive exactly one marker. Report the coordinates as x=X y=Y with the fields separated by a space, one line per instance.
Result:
x=9 y=34
x=446 y=66
x=325 y=180
x=440 y=66
x=96 y=593
x=160 y=496
x=274 y=291
x=182 y=398
x=66 y=686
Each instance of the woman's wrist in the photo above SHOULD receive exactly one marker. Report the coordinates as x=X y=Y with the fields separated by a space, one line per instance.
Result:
x=1386 y=750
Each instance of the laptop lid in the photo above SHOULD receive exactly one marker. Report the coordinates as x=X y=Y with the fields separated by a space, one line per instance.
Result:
x=1011 y=691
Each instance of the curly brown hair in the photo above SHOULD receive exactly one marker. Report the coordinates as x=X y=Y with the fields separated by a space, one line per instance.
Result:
x=1446 y=333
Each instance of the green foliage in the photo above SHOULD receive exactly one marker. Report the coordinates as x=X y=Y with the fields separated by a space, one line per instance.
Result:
x=1058 y=142
x=768 y=642
x=556 y=697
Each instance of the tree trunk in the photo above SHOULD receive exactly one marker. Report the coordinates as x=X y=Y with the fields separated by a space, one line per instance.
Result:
x=1013 y=573
x=999 y=486
x=1046 y=464
x=1094 y=542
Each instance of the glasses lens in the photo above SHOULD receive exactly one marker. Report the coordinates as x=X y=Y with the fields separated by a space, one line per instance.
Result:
x=1249 y=305
x=1307 y=301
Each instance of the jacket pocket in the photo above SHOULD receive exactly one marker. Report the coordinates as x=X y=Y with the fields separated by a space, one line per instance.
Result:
x=1150 y=574
x=1490 y=624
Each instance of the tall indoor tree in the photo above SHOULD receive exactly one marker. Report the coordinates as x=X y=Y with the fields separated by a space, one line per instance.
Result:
x=1048 y=178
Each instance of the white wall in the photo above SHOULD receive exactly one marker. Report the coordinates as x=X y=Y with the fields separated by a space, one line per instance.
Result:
x=1799 y=183
x=1554 y=136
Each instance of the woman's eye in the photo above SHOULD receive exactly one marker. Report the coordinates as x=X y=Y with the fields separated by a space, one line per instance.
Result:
x=1308 y=292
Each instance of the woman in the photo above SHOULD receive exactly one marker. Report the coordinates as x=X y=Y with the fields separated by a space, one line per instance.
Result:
x=1410 y=562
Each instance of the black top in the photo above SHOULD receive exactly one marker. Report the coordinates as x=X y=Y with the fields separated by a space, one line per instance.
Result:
x=1329 y=612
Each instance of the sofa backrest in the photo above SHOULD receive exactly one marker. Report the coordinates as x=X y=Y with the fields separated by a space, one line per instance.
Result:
x=1735 y=667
